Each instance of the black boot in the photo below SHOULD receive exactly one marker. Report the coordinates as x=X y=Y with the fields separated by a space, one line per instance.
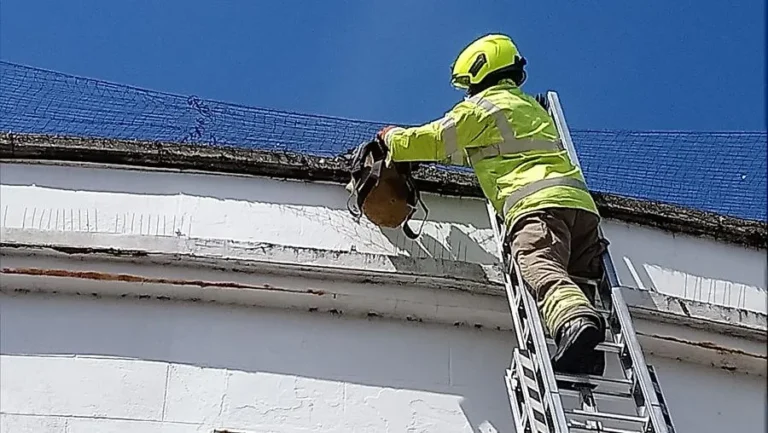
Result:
x=576 y=343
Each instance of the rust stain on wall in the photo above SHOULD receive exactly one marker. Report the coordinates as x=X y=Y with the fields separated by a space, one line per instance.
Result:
x=126 y=278
x=705 y=345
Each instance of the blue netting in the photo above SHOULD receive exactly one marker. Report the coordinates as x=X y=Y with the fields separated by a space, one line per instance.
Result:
x=719 y=172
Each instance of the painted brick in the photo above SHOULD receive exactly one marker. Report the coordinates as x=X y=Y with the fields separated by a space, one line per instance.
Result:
x=377 y=409
x=282 y=401
x=47 y=385
x=194 y=394
x=90 y=425
x=10 y=423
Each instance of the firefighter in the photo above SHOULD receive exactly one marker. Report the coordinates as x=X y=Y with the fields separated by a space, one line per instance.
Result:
x=512 y=143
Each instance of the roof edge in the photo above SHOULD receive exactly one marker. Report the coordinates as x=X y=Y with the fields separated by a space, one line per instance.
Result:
x=667 y=217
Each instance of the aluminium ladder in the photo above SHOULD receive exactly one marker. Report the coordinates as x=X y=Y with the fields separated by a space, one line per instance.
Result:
x=537 y=394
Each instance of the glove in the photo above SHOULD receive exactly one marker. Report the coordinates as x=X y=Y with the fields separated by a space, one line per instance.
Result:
x=380 y=135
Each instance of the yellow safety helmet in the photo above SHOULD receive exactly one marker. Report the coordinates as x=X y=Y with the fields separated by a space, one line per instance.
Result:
x=490 y=53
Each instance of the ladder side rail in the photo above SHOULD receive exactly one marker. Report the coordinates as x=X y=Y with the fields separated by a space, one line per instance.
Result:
x=652 y=403
x=508 y=284
x=526 y=373
x=539 y=341
x=536 y=329
x=512 y=383
x=620 y=308
x=565 y=136
x=662 y=400
x=552 y=393
x=551 y=396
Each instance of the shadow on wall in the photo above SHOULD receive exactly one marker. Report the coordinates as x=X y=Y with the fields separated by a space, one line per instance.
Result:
x=457 y=246
x=374 y=356
x=738 y=399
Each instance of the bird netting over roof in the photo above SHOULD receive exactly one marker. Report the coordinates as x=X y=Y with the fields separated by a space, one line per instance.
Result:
x=718 y=172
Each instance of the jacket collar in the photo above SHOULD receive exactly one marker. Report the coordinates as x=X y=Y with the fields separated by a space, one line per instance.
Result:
x=505 y=84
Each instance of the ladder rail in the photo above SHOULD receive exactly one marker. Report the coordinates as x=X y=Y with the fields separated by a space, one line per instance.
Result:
x=565 y=137
x=533 y=386
x=551 y=395
x=661 y=424
x=652 y=403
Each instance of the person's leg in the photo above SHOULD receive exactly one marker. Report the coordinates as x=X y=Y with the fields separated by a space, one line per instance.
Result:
x=541 y=247
x=541 y=243
x=585 y=262
x=586 y=246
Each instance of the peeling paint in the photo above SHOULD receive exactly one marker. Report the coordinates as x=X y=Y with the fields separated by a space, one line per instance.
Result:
x=103 y=276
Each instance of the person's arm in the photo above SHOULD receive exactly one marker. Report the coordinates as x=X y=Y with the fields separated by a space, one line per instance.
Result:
x=441 y=140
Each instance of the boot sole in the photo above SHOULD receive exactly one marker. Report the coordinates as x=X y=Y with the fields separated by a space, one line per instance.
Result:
x=583 y=345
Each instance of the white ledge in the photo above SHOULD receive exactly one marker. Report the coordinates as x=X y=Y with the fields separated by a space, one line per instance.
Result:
x=344 y=282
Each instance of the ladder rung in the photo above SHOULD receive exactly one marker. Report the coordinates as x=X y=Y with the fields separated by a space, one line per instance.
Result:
x=598 y=381
x=585 y=428
x=604 y=395
x=592 y=416
x=606 y=346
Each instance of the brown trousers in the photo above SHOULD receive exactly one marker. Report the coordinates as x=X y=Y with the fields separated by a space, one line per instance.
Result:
x=552 y=244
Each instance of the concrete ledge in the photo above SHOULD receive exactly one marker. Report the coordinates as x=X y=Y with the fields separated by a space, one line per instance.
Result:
x=666 y=217
x=349 y=266
x=163 y=277
x=259 y=257
x=697 y=315
x=336 y=282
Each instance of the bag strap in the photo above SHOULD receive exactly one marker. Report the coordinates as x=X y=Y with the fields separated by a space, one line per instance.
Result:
x=366 y=181
x=414 y=199
x=366 y=185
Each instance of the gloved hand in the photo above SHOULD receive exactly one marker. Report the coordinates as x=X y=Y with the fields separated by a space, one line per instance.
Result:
x=380 y=135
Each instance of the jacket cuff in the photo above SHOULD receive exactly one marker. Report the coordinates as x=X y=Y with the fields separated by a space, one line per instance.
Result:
x=388 y=135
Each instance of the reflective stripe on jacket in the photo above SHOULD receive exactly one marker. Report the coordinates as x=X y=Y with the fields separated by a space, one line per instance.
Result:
x=513 y=145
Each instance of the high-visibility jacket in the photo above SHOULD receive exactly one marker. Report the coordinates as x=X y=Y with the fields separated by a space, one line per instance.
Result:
x=512 y=144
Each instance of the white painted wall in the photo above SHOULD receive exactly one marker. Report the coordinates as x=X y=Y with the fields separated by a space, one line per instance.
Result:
x=77 y=364
x=162 y=203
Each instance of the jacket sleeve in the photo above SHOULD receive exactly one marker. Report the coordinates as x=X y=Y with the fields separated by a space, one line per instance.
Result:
x=442 y=140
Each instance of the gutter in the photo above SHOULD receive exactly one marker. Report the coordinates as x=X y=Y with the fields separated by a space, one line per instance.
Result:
x=354 y=284
x=230 y=160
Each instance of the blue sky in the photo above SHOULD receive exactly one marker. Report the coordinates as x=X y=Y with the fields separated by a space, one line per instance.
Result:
x=683 y=65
